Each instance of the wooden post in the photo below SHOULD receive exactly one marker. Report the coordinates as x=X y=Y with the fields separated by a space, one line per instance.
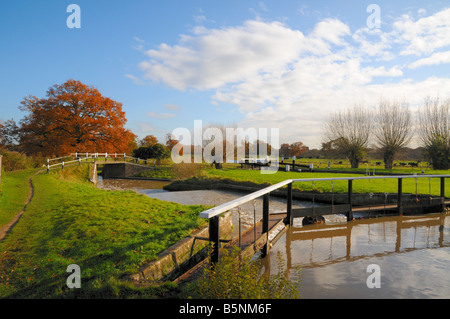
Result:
x=443 y=193
x=214 y=238
x=265 y=223
x=399 y=197
x=350 y=192
x=289 y=206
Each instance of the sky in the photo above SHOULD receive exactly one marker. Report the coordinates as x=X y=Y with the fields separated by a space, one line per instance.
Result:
x=261 y=64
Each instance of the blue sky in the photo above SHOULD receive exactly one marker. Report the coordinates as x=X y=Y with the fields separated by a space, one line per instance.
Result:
x=271 y=64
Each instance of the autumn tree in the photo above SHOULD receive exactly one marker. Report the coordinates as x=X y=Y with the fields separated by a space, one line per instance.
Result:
x=350 y=131
x=171 y=141
x=148 y=141
x=284 y=150
x=393 y=129
x=294 y=149
x=73 y=117
x=297 y=148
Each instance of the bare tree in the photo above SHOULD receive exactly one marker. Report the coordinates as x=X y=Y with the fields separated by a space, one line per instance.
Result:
x=350 y=131
x=434 y=125
x=393 y=129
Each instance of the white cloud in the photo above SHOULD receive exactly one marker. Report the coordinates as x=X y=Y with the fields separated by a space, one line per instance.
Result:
x=434 y=59
x=331 y=30
x=278 y=76
x=172 y=107
x=424 y=35
x=160 y=115
x=135 y=79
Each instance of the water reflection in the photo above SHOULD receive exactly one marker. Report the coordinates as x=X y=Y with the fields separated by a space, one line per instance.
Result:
x=413 y=253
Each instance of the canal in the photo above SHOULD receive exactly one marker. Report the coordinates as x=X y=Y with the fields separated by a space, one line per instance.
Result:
x=412 y=254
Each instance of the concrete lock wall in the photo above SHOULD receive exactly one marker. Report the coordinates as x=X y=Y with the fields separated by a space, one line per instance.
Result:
x=123 y=170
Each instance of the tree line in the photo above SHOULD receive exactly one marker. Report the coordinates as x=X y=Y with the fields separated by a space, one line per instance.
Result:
x=391 y=128
x=74 y=117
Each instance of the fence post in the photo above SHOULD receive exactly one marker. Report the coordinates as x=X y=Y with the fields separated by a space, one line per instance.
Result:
x=265 y=223
x=399 y=197
x=350 y=203
x=214 y=238
x=62 y=167
x=289 y=205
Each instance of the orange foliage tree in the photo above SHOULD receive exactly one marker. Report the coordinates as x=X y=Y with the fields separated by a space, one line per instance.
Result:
x=148 y=141
x=73 y=117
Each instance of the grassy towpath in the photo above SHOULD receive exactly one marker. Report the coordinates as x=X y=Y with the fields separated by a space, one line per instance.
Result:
x=16 y=191
x=109 y=234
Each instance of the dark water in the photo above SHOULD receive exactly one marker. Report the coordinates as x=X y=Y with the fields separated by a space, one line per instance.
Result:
x=413 y=253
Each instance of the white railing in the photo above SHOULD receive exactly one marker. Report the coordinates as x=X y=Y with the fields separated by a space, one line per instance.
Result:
x=213 y=213
x=86 y=156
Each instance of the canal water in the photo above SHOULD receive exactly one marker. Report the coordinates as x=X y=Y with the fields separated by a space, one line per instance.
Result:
x=411 y=254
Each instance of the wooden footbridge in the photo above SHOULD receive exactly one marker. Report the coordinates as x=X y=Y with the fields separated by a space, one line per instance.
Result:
x=258 y=236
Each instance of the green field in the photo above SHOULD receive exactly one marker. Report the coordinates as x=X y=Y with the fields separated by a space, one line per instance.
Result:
x=424 y=185
x=109 y=234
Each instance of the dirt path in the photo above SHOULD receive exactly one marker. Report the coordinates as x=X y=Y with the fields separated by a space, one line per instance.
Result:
x=5 y=229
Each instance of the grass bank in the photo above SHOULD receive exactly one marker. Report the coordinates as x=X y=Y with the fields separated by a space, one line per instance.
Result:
x=109 y=234
x=247 y=177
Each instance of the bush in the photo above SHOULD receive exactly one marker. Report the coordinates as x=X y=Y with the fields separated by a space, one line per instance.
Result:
x=438 y=153
x=157 y=151
x=234 y=277
x=13 y=161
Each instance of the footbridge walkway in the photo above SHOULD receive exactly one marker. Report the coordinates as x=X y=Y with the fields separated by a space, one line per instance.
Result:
x=258 y=236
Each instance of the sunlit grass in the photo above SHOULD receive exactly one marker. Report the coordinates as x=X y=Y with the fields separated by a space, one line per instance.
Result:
x=14 y=190
x=109 y=234
x=424 y=185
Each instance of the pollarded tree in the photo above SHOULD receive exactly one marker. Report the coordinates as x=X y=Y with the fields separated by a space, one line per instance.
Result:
x=73 y=117
x=393 y=129
x=434 y=130
x=350 y=131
